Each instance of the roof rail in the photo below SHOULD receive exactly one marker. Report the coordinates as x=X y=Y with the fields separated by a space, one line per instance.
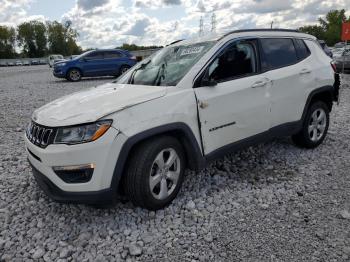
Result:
x=175 y=42
x=260 y=30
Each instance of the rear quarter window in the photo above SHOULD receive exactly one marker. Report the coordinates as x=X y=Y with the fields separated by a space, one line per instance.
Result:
x=277 y=53
x=302 y=49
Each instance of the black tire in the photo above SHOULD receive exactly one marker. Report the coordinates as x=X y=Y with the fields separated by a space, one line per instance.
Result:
x=74 y=75
x=304 y=137
x=123 y=69
x=142 y=167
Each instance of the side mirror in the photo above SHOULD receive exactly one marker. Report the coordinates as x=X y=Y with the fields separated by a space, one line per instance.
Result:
x=206 y=82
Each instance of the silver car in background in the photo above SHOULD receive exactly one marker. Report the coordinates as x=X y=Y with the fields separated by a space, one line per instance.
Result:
x=52 y=59
x=342 y=62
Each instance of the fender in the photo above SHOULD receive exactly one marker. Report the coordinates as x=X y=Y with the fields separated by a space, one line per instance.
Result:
x=188 y=140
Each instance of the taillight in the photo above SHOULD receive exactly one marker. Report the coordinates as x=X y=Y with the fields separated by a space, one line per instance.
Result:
x=334 y=67
x=133 y=58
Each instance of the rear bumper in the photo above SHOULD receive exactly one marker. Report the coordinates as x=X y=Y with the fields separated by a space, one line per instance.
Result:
x=336 y=87
x=94 y=197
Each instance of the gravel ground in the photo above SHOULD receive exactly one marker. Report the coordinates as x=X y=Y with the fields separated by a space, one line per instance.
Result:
x=272 y=202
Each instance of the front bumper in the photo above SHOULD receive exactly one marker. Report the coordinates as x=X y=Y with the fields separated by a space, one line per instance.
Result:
x=103 y=153
x=59 y=73
x=51 y=190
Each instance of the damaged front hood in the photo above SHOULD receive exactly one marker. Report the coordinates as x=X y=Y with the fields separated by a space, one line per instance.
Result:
x=94 y=103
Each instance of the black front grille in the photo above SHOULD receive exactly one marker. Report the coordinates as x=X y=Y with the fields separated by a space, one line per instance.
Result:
x=40 y=135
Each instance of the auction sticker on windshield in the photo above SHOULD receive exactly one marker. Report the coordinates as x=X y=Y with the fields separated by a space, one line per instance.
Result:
x=192 y=50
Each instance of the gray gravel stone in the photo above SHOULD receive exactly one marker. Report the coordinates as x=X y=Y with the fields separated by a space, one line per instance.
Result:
x=38 y=253
x=64 y=253
x=344 y=214
x=135 y=249
x=190 y=205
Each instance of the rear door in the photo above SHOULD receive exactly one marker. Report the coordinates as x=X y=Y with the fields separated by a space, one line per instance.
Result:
x=291 y=74
x=93 y=64
x=237 y=107
x=113 y=61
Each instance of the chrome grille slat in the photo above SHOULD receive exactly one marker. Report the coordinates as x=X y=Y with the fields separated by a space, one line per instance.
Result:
x=39 y=135
x=46 y=136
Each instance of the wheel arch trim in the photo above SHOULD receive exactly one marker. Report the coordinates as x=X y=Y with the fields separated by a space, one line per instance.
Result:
x=189 y=141
x=324 y=89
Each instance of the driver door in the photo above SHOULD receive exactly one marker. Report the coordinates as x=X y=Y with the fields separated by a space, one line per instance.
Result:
x=233 y=98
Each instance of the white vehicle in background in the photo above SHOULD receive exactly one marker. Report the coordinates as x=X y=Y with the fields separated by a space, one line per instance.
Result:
x=52 y=59
x=337 y=52
x=186 y=105
x=19 y=63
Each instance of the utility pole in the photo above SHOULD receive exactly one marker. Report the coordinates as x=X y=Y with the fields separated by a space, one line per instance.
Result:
x=213 y=23
x=176 y=25
x=201 y=26
x=271 y=24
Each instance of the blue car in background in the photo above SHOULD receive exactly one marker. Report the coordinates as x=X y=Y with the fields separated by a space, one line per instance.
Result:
x=108 y=62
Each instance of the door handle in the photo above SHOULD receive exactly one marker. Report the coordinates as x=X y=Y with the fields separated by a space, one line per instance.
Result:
x=259 y=84
x=305 y=71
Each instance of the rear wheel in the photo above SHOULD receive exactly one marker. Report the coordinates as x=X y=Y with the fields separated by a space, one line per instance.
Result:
x=155 y=173
x=315 y=126
x=123 y=69
x=74 y=75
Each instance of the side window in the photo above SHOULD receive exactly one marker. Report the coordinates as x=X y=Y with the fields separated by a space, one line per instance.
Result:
x=278 y=52
x=302 y=49
x=238 y=60
x=112 y=54
x=94 y=56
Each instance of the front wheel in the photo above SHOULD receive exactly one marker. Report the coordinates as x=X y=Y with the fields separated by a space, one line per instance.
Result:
x=74 y=75
x=155 y=173
x=315 y=126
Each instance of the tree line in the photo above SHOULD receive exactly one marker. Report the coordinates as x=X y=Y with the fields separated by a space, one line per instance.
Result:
x=133 y=47
x=38 y=39
x=328 y=29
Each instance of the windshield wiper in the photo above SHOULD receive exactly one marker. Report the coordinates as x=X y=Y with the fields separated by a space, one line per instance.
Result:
x=141 y=67
x=161 y=73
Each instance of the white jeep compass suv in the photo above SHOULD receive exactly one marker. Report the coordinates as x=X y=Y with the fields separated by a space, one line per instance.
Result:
x=187 y=104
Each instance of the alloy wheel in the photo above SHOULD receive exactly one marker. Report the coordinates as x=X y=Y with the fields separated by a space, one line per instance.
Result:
x=317 y=124
x=164 y=174
x=74 y=75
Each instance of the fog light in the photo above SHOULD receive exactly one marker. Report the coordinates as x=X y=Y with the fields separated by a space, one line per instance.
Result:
x=75 y=174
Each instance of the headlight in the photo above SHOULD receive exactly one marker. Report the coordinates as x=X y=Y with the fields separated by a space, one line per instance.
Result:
x=60 y=64
x=82 y=133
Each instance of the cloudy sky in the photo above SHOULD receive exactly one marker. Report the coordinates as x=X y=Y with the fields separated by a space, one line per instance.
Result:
x=109 y=23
